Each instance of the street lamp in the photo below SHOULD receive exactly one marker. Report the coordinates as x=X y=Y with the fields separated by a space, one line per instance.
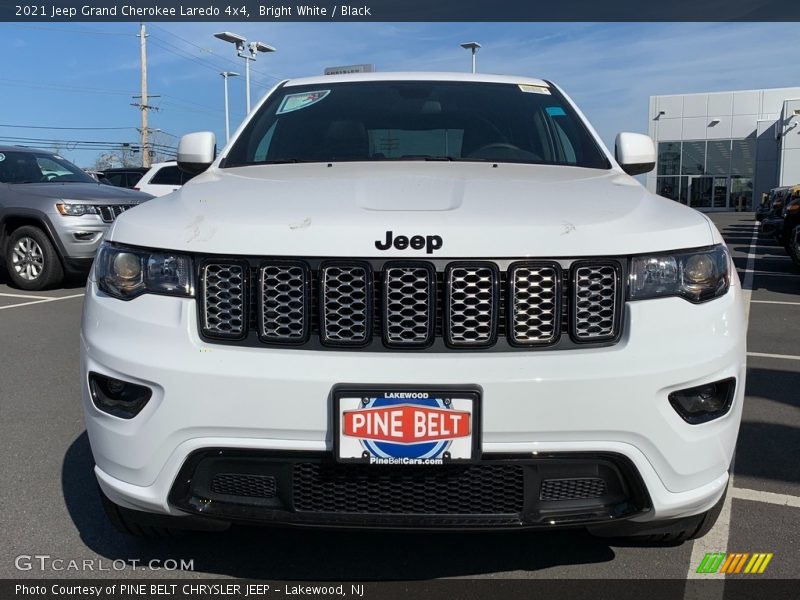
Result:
x=225 y=76
x=246 y=50
x=473 y=47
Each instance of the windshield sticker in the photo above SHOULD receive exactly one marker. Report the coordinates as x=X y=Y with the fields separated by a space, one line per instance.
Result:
x=555 y=111
x=2 y=157
x=534 y=89
x=294 y=102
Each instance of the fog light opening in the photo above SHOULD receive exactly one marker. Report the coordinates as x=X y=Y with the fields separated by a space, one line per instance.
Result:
x=116 y=397
x=705 y=402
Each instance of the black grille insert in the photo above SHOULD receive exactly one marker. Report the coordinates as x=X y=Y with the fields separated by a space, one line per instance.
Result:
x=488 y=489
x=572 y=489
x=244 y=485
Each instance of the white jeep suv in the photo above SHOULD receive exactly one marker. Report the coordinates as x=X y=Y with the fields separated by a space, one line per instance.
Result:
x=414 y=300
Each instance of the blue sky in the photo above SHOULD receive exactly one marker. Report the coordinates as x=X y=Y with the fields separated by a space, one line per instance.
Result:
x=84 y=74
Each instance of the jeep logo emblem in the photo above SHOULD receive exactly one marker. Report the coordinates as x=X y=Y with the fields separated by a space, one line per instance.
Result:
x=418 y=242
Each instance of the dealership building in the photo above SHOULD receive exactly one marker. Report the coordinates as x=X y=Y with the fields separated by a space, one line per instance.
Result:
x=722 y=150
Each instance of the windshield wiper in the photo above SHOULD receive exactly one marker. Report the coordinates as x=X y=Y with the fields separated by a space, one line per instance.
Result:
x=279 y=161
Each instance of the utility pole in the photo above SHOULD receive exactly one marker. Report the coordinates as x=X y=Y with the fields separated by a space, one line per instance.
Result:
x=143 y=103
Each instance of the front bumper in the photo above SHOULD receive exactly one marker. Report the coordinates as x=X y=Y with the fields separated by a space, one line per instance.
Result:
x=605 y=401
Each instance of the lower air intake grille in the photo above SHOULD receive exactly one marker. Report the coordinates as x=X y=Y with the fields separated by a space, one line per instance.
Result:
x=238 y=484
x=471 y=490
x=572 y=489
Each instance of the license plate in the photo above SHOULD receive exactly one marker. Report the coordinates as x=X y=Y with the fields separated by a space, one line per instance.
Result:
x=407 y=426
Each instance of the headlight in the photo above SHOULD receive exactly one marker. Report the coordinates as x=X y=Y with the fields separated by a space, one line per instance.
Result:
x=76 y=210
x=126 y=273
x=697 y=275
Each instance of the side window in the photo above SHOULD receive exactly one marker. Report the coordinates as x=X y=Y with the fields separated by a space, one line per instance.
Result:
x=133 y=178
x=186 y=176
x=117 y=179
x=167 y=176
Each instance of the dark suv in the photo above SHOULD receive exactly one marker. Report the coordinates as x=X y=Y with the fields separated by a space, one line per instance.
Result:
x=126 y=177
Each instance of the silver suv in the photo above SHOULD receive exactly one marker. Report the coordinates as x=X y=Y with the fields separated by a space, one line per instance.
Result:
x=52 y=216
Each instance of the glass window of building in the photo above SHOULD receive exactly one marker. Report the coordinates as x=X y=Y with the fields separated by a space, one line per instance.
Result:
x=693 y=159
x=669 y=187
x=669 y=158
x=718 y=157
x=743 y=157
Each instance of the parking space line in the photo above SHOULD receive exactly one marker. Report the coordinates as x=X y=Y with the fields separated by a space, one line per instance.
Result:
x=768 y=497
x=767 y=355
x=771 y=274
x=26 y=296
x=775 y=302
x=41 y=301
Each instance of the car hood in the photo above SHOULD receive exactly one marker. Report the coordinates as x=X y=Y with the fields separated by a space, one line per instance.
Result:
x=95 y=192
x=477 y=209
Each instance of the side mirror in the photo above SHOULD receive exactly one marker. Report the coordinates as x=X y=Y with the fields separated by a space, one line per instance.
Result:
x=196 y=152
x=635 y=153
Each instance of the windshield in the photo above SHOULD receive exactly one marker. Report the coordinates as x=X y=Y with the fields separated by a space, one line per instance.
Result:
x=39 y=167
x=417 y=120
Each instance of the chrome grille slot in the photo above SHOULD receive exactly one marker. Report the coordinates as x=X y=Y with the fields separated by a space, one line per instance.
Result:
x=224 y=293
x=472 y=303
x=409 y=304
x=284 y=301
x=595 y=299
x=108 y=213
x=534 y=303
x=346 y=304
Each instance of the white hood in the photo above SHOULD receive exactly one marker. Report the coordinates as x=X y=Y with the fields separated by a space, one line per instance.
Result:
x=478 y=209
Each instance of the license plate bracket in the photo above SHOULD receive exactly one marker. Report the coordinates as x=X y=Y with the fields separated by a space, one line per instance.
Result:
x=406 y=425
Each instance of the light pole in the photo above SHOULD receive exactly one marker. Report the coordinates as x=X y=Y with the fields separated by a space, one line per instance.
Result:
x=473 y=47
x=225 y=76
x=246 y=50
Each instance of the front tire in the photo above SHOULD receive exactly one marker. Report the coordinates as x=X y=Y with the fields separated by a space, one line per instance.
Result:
x=32 y=260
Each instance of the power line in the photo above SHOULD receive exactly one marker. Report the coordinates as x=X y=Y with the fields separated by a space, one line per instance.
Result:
x=69 y=30
x=70 y=128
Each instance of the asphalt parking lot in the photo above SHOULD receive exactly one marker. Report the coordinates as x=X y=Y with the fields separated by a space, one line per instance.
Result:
x=51 y=507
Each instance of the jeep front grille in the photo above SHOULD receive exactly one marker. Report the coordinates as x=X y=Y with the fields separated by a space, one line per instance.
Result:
x=284 y=302
x=409 y=299
x=535 y=296
x=346 y=303
x=595 y=296
x=471 y=309
x=411 y=305
x=224 y=296
x=108 y=213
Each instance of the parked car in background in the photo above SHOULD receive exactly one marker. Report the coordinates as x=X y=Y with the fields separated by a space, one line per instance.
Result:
x=97 y=176
x=163 y=178
x=790 y=227
x=762 y=210
x=126 y=177
x=52 y=216
x=773 y=220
